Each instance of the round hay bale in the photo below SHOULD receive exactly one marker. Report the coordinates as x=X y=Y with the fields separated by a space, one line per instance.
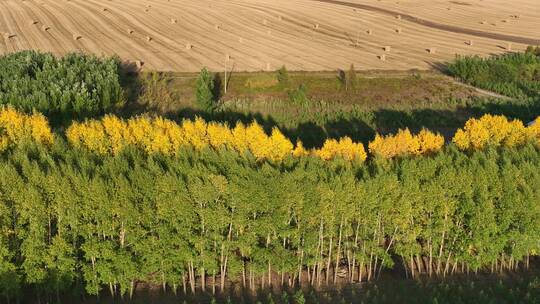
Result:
x=139 y=64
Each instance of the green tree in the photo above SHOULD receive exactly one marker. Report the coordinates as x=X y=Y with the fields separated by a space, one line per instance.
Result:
x=205 y=91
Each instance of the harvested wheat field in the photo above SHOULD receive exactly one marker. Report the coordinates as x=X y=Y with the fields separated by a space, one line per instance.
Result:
x=251 y=35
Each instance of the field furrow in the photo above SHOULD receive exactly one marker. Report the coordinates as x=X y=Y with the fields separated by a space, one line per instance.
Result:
x=251 y=35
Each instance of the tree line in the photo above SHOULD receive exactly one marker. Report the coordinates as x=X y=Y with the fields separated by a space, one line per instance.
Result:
x=111 y=134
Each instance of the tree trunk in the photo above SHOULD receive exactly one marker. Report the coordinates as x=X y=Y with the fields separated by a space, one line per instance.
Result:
x=338 y=252
x=184 y=283
x=191 y=277
x=329 y=260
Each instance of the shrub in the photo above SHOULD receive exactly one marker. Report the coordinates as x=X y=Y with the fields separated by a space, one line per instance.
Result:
x=282 y=76
x=535 y=50
x=298 y=96
x=72 y=86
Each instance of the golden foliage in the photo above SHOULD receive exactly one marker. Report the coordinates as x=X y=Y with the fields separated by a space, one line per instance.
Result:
x=90 y=135
x=492 y=130
x=429 y=142
x=533 y=130
x=280 y=146
x=219 y=135
x=344 y=148
x=111 y=135
x=405 y=143
x=16 y=126
x=299 y=150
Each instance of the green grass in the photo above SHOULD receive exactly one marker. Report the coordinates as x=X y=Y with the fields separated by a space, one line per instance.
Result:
x=372 y=89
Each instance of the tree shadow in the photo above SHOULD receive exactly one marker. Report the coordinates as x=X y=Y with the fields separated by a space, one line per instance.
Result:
x=359 y=127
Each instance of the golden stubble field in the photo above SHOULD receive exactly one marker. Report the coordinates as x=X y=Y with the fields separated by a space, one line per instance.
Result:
x=252 y=35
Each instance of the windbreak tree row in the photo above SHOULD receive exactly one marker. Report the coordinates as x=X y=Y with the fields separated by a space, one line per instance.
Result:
x=200 y=220
x=110 y=135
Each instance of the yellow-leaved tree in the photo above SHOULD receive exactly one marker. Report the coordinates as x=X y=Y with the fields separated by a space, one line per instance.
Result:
x=16 y=126
x=344 y=148
x=404 y=143
x=219 y=135
x=111 y=135
x=299 y=150
x=281 y=146
x=429 y=142
x=491 y=130
x=533 y=131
